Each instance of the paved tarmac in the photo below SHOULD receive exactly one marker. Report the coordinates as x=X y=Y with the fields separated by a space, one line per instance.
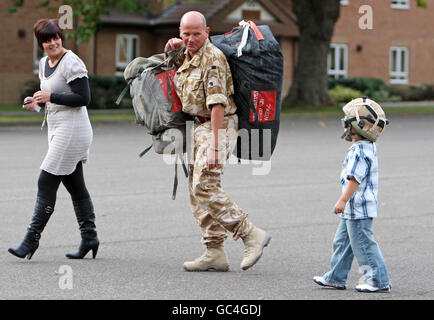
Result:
x=145 y=236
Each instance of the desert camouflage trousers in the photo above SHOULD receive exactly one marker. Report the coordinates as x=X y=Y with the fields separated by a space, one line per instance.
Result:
x=215 y=212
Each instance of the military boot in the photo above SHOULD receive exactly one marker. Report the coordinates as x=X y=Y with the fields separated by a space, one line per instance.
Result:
x=214 y=259
x=254 y=244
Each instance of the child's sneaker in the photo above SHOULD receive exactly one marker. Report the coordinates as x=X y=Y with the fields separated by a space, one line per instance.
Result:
x=322 y=282
x=368 y=288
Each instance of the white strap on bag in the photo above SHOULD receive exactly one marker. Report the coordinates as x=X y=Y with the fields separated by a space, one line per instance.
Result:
x=244 y=38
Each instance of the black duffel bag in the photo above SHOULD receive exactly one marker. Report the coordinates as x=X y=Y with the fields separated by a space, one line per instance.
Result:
x=256 y=63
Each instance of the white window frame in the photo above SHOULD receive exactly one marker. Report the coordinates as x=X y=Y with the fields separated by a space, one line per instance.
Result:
x=345 y=2
x=130 y=55
x=400 y=4
x=399 y=77
x=36 y=56
x=340 y=72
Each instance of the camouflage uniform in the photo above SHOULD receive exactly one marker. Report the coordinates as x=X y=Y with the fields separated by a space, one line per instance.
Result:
x=201 y=82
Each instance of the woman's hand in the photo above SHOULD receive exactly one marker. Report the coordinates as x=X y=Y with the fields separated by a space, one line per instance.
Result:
x=28 y=104
x=42 y=96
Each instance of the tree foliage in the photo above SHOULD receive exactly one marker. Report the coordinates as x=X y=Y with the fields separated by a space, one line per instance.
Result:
x=86 y=13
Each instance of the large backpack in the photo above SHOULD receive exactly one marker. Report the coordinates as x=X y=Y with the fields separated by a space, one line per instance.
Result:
x=256 y=63
x=157 y=106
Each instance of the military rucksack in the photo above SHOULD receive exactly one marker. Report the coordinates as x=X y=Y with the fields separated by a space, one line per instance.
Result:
x=157 y=106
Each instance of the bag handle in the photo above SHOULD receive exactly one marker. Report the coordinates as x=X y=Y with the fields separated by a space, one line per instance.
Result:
x=256 y=30
x=247 y=25
x=170 y=57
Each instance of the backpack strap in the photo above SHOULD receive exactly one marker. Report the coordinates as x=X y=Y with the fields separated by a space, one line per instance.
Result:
x=146 y=150
x=121 y=96
x=175 y=180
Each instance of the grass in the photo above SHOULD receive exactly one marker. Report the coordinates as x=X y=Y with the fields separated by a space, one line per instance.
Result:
x=6 y=108
x=331 y=110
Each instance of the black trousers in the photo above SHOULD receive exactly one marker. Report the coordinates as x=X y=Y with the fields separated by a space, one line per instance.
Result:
x=48 y=184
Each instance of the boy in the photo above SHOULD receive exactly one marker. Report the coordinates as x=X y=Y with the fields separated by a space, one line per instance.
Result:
x=364 y=121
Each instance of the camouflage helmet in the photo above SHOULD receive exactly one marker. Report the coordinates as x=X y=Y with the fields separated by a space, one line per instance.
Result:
x=366 y=117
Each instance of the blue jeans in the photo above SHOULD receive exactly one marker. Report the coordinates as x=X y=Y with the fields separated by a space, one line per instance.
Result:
x=356 y=238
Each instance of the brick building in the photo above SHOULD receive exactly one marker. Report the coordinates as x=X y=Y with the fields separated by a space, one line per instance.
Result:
x=396 y=49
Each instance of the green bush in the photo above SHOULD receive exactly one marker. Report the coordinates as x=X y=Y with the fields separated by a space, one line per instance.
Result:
x=366 y=85
x=343 y=94
x=30 y=87
x=373 y=88
x=104 y=92
x=412 y=92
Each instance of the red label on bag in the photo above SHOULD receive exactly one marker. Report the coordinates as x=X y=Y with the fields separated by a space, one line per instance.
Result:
x=162 y=78
x=265 y=105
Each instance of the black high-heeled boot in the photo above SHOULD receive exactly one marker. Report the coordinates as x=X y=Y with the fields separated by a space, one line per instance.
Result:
x=41 y=215
x=86 y=222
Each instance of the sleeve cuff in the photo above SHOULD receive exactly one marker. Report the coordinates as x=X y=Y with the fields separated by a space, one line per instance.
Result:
x=358 y=179
x=216 y=99
x=76 y=76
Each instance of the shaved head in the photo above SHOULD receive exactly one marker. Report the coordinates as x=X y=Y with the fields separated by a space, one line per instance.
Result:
x=193 y=31
x=193 y=17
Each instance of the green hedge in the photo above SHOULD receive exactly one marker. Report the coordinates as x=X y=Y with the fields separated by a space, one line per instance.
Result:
x=104 y=92
x=421 y=92
x=373 y=88
x=377 y=90
x=344 y=94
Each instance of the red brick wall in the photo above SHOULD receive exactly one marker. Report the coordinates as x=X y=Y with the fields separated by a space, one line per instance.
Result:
x=16 y=54
x=411 y=28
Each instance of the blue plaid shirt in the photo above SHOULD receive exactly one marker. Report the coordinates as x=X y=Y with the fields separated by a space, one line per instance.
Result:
x=361 y=163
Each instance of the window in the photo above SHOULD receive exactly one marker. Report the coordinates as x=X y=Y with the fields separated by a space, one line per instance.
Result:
x=38 y=54
x=398 y=65
x=337 y=61
x=400 y=4
x=345 y=2
x=127 y=48
x=251 y=15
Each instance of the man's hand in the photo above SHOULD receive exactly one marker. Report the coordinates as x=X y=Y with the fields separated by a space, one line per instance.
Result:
x=173 y=44
x=41 y=96
x=212 y=158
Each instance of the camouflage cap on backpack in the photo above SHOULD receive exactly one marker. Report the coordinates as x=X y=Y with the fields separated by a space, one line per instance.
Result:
x=138 y=65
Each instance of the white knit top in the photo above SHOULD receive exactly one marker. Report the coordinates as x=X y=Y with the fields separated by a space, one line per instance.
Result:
x=69 y=130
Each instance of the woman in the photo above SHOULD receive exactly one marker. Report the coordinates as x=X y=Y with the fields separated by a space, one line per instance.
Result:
x=65 y=92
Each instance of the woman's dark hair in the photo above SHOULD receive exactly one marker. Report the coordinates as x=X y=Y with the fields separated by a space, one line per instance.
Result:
x=46 y=29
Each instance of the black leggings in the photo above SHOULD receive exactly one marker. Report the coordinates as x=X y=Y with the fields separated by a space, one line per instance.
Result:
x=48 y=184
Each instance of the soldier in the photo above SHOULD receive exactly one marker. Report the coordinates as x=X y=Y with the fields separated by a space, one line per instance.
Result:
x=204 y=84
